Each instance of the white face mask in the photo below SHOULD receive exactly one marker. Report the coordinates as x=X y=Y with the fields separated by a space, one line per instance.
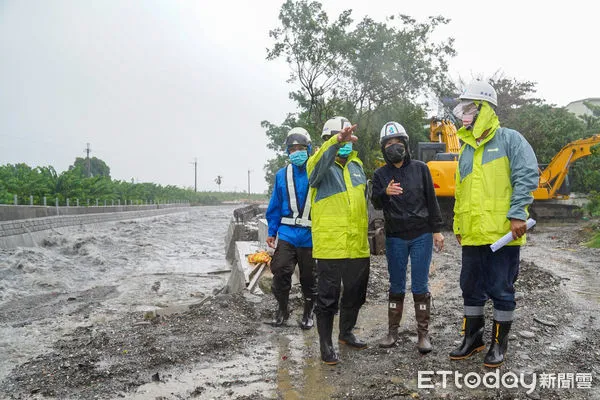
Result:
x=466 y=111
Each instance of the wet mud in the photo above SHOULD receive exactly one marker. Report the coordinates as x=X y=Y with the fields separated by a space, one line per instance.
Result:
x=220 y=346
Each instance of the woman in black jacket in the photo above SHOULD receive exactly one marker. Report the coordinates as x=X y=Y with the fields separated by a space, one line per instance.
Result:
x=403 y=188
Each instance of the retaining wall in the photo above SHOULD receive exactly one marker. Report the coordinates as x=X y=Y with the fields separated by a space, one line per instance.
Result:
x=12 y=212
x=29 y=232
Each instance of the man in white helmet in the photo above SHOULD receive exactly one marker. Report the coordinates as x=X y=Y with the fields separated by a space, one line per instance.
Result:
x=289 y=232
x=497 y=171
x=403 y=188
x=340 y=234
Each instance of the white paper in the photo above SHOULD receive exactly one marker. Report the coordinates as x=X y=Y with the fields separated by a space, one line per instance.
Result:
x=506 y=239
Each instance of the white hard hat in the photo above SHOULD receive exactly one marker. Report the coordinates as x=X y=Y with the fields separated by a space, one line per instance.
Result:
x=390 y=130
x=333 y=126
x=297 y=135
x=480 y=90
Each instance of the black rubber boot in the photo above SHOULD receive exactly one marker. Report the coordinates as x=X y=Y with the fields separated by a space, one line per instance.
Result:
x=473 y=327
x=307 y=317
x=495 y=355
x=423 y=315
x=325 y=328
x=395 y=308
x=282 y=314
x=348 y=318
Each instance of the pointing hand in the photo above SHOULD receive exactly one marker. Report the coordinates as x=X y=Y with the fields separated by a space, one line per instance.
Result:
x=345 y=135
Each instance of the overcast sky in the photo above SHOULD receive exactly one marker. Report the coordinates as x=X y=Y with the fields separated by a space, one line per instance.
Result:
x=152 y=85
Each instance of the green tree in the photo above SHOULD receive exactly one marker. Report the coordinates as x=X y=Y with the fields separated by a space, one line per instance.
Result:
x=549 y=129
x=513 y=95
x=362 y=72
x=97 y=167
x=586 y=172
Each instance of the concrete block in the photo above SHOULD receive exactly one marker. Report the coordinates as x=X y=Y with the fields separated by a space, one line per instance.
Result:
x=263 y=230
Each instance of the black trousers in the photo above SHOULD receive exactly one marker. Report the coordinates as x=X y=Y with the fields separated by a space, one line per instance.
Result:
x=353 y=273
x=284 y=262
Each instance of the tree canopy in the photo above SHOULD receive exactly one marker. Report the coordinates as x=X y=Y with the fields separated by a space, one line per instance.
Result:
x=97 y=167
x=24 y=181
x=370 y=72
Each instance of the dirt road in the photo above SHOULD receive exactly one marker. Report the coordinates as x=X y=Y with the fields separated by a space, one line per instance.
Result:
x=221 y=347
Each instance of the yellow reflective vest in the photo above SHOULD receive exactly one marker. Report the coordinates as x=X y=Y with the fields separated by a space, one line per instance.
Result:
x=339 y=205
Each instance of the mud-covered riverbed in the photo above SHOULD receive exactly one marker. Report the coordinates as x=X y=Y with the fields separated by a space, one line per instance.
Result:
x=221 y=347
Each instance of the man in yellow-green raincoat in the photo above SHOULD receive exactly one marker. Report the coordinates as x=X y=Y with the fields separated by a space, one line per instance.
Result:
x=340 y=234
x=497 y=171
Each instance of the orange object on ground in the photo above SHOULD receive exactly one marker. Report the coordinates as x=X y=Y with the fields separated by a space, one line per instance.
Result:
x=259 y=257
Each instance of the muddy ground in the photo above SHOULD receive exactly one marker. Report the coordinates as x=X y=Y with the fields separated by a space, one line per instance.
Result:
x=222 y=348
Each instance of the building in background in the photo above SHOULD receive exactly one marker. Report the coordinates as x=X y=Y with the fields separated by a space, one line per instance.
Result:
x=578 y=107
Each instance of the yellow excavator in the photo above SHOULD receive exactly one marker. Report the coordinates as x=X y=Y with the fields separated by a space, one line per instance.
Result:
x=553 y=176
x=442 y=154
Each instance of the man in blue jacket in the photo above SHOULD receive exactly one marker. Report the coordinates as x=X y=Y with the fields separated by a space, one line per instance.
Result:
x=288 y=216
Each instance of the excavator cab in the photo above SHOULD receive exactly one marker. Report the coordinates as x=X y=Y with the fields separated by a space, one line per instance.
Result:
x=429 y=151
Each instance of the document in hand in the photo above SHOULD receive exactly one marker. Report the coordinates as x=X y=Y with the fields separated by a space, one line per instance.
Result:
x=506 y=239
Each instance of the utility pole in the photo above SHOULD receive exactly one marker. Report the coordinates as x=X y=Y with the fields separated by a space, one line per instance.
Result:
x=248 y=182
x=87 y=152
x=195 y=174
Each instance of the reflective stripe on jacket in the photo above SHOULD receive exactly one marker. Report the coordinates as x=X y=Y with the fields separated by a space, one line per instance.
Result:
x=300 y=212
x=339 y=206
x=494 y=181
x=279 y=207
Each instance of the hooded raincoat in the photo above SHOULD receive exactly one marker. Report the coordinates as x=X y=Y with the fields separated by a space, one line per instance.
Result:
x=494 y=181
x=339 y=204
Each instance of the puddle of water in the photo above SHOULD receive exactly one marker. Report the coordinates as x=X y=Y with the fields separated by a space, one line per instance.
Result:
x=242 y=376
x=308 y=380
x=582 y=278
x=282 y=366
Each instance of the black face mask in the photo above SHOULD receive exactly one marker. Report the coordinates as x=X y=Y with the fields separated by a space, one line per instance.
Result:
x=395 y=153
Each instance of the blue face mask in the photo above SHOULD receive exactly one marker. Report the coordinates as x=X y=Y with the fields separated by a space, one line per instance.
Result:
x=298 y=158
x=345 y=150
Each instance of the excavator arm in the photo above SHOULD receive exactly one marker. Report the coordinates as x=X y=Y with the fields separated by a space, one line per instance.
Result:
x=553 y=176
x=444 y=131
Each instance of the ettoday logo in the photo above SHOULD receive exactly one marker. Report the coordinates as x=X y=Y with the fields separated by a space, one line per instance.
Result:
x=509 y=380
x=472 y=380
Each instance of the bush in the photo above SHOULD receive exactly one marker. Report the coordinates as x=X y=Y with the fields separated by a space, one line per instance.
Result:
x=595 y=242
x=593 y=207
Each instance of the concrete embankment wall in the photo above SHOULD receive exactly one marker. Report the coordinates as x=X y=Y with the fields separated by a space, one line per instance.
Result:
x=242 y=239
x=31 y=231
x=11 y=212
